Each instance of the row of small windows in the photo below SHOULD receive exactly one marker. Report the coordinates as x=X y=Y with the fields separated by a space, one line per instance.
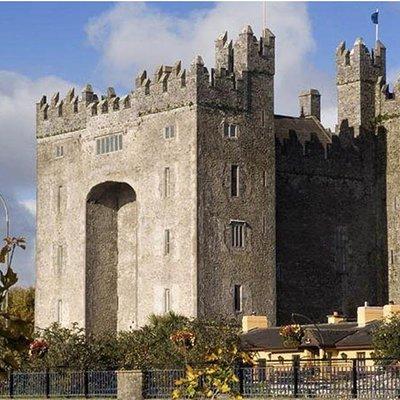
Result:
x=109 y=144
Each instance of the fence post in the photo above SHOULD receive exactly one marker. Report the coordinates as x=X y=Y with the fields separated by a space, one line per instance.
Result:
x=85 y=384
x=11 y=384
x=47 y=383
x=241 y=379
x=295 y=377
x=354 y=380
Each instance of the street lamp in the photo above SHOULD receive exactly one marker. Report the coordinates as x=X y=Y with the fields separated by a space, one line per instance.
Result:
x=316 y=327
x=7 y=216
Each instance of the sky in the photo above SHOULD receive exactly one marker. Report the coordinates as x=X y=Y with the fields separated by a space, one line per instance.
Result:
x=48 y=47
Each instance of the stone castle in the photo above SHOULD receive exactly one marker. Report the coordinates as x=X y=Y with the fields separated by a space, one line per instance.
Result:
x=190 y=195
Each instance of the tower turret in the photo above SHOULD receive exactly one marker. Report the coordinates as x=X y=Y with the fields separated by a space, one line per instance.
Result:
x=358 y=71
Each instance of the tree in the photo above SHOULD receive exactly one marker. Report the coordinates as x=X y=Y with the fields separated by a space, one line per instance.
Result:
x=14 y=332
x=21 y=304
x=386 y=339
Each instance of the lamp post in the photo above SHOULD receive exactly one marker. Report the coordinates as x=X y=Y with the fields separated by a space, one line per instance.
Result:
x=7 y=217
x=316 y=327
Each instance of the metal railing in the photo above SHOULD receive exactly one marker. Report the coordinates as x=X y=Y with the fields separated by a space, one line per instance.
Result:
x=344 y=381
x=59 y=384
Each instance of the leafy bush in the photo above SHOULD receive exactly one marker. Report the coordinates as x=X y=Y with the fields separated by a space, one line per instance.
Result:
x=157 y=345
x=386 y=340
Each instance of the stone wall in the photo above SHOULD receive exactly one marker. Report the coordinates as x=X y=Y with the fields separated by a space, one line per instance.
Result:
x=330 y=254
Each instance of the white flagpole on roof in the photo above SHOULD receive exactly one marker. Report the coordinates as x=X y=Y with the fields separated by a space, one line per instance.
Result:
x=377 y=27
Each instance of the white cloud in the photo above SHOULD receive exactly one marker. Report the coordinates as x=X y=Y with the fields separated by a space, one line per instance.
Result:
x=135 y=36
x=18 y=95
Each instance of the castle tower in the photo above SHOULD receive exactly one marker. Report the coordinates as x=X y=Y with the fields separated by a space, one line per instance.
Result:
x=163 y=199
x=358 y=71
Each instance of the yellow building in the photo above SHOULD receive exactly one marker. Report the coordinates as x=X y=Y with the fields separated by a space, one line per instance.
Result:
x=338 y=341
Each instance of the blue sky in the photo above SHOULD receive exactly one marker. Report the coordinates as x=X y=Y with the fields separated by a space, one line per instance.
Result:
x=50 y=38
x=48 y=46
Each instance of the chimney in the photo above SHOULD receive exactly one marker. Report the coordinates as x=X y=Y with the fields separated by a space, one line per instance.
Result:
x=310 y=104
x=335 y=318
x=368 y=314
x=254 y=321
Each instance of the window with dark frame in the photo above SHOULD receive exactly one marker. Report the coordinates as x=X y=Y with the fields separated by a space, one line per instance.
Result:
x=238 y=298
x=169 y=132
x=167 y=238
x=234 y=180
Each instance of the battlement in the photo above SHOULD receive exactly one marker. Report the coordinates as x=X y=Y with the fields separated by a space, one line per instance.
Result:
x=359 y=63
x=342 y=156
x=170 y=87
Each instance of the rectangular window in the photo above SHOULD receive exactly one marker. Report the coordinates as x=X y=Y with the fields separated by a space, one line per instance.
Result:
x=59 y=151
x=265 y=178
x=230 y=131
x=264 y=224
x=59 y=198
x=109 y=144
x=238 y=298
x=360 y=359
x=263 y=117
x=237 y=238
x=169 y=132
x=391 y=257
x=59 y=312
x=60 y=257
x=167 y=238
x=167 y=301
x=234 y=180
x=167 y=182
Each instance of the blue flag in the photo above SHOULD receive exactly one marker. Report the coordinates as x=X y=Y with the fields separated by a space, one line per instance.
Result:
x=374 y=17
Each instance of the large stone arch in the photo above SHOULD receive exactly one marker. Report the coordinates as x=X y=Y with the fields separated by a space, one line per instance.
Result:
x=111 y=219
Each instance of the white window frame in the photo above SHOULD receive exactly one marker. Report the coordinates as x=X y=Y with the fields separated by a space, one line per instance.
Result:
x=238 y=234
x=59 y=311
x=169 y=132
x=167 y=301
x=231 y=131
x=167 y=182
x=59 y=151
x=109 y=144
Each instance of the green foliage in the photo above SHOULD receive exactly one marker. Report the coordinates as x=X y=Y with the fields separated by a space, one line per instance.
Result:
x=386 y=340
x=152 y=346
x=21 y=304
x=215 y=377
x=71 y=349
x=14 y=331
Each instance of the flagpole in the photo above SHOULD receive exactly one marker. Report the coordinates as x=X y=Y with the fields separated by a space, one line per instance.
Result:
x=377 y=29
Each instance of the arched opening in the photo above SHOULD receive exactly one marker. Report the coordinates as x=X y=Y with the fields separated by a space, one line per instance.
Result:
x=111 y=220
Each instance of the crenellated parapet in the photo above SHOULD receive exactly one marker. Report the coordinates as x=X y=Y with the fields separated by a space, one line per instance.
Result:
x=359 y=63
x=228 y=86
x=344 y=156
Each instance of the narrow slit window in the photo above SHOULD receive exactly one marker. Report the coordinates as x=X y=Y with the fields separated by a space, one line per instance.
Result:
x=167 y=301
x=59 y=151
x=167 y=241
x=234 y=180
x=59 y=198
x=167 y=182
x=60 y=258
x=238 y=298
x=59 y=311
x=264 y=178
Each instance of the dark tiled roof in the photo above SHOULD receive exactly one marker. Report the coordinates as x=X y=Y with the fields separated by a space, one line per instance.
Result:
x=304 y=127
x=362 y=337
x=341 y=335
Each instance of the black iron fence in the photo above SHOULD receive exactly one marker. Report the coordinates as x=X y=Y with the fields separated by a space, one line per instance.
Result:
x=59 y=384
x=335 y=380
